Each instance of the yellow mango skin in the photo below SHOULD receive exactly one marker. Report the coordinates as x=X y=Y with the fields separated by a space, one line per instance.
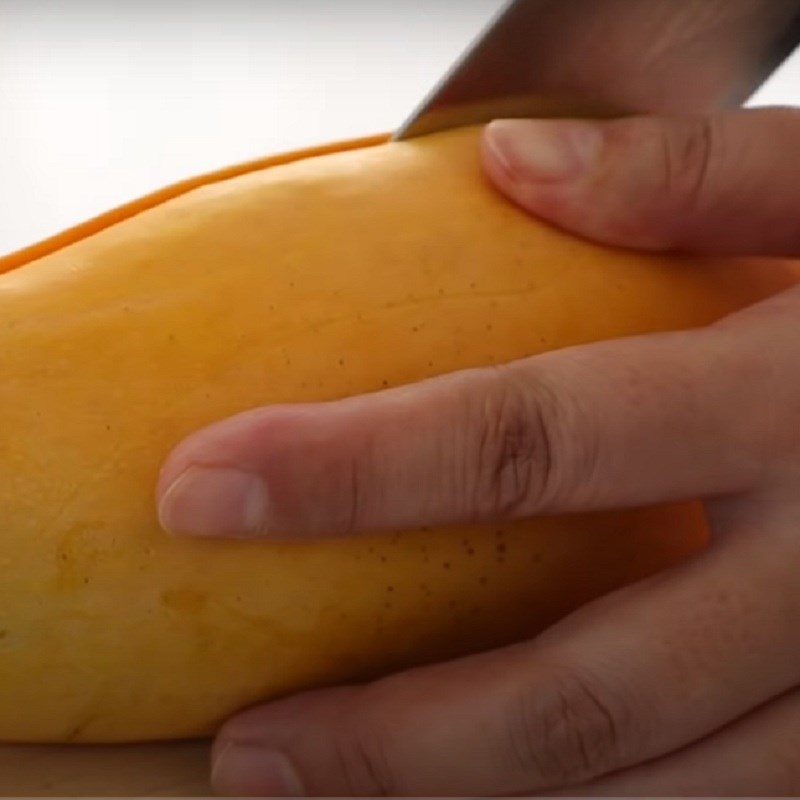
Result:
x=322 y=278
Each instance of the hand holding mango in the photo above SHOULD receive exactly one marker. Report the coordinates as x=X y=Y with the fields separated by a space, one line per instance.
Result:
x=358 y=268
x=684 y=683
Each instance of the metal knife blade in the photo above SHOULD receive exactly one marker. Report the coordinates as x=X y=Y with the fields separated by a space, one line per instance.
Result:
x=549 y=58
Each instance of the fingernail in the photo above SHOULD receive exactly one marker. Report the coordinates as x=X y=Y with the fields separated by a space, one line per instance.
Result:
x=247 y=770
x=544 y=150
x=211 y=501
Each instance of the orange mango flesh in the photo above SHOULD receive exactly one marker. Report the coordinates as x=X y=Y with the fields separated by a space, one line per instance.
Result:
x=310 y=277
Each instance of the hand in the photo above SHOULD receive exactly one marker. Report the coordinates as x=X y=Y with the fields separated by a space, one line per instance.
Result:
x=687 y=683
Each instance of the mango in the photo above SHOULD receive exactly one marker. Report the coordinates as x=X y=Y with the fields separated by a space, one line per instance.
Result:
x=312 y=276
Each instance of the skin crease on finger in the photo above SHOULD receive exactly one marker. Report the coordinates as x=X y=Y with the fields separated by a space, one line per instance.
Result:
x=685 y=682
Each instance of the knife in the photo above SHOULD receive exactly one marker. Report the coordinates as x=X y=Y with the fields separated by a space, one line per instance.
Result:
x=551 y=58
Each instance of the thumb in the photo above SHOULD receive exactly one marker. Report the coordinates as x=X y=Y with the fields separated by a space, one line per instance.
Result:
x=725 y=183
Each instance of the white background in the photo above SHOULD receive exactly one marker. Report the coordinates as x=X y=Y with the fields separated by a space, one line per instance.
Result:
x=101 y=102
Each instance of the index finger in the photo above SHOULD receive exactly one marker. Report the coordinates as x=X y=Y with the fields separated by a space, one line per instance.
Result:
x=622 y=423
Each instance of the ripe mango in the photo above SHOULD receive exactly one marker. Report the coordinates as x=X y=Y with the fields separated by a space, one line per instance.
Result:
x=312 y=276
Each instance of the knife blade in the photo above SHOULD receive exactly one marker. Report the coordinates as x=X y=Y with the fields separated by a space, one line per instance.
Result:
x=551 y=58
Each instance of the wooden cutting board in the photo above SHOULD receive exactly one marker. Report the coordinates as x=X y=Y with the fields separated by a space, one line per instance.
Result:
x=167 y=770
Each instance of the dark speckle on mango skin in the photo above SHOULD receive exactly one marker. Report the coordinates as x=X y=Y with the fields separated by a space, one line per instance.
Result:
x=184 y=600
